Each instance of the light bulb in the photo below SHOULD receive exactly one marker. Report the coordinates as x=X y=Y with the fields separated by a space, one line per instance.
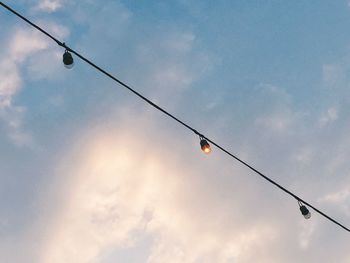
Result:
x=305 y=212
x=205 y=146
x=307 y=216
x=68 y=60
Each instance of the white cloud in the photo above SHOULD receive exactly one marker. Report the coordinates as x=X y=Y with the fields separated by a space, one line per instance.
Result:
x=277 y=122
x=304 y=156
x=26 y=42
x=175 y=61
x=22 y=44
x=117 y=187
x=31 y=47
x=276 y=117
x=210 y=246
x=10 y=82
x=337 y=197
x=330 y=116
x=12 y=118
x=50 y=5
x=306 y=234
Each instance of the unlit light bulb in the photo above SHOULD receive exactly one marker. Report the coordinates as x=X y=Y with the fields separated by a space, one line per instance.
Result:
x=305 y=212
x=68 y=60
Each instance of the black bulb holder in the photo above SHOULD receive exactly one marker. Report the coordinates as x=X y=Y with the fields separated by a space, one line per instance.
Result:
x=304 y=211
x=68 y=59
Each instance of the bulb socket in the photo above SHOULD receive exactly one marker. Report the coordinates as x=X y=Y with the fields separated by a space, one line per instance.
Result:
x=305 y=212
x=68 y=59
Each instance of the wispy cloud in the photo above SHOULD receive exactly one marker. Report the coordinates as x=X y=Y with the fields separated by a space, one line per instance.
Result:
x=10 y=82
x=113 y=186
x=330 y=116
x=23 y=46
x=49 y=5
x=132 y=182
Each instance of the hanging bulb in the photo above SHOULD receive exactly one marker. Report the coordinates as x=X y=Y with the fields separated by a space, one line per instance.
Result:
x=305 y=212
x=205 y=146
x=68 y=59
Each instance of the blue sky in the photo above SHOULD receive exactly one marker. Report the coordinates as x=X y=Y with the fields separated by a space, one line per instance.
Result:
x=89 y=173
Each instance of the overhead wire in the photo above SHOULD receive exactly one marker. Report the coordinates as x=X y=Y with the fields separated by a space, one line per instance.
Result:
x=161 y=109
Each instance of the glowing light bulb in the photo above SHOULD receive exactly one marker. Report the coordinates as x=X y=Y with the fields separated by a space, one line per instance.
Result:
x=205 y=146
x=68 y=60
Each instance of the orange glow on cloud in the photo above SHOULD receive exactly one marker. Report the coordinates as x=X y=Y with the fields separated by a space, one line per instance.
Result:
x=114 y=186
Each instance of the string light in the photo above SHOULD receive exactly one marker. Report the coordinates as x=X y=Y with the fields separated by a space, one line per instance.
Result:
x=204 y=140
x=304 y=211
x=205 y=146
x=68 y=59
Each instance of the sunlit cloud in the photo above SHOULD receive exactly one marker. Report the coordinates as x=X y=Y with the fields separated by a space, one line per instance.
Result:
x=115 y=184
x=103 y=186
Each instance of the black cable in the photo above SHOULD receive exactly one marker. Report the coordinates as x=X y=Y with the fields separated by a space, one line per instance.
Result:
x=62 y=44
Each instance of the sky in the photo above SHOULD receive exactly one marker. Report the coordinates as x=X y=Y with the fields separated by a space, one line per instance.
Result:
x=91 y=174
